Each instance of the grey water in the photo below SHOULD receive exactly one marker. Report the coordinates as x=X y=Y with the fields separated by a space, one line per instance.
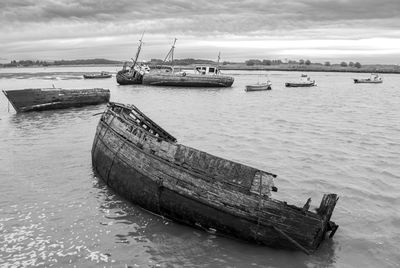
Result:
x=337 y=137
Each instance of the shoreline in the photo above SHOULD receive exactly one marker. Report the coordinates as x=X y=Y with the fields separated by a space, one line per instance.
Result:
x=382 y=69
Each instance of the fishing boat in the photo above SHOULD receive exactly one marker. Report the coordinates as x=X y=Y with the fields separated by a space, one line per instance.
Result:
x=373 y=79
x=202 y=75
x=259 y=86
x=38 y=99
x=145 y=164
x=103 y=74
x=305 y=81
x=133 y=74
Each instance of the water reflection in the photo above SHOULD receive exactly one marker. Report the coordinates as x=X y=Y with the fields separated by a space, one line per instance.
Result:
x=54 y=118
x=168 y=243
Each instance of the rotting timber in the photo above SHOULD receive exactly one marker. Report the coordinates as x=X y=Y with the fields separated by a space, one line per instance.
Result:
x=146 y=165
x=39 y=99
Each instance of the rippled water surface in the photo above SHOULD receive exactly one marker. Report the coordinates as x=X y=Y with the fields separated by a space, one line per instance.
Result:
x=337 y=137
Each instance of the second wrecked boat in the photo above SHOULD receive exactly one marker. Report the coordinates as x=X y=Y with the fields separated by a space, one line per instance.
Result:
x=146 y=165
x=38 y=99
x=202 y=76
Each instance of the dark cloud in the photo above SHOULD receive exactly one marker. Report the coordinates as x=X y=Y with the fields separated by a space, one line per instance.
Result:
x=28 y=22
x=256 y=14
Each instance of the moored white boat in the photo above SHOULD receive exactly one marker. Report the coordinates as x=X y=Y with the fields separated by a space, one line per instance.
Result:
x=305 y=81
x=373 y=79
x=259 y=86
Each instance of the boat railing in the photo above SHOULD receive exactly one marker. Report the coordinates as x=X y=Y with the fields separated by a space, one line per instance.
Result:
x=132 y=115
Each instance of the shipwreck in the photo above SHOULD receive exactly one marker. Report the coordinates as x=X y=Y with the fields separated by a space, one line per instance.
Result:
x=144 y=163
x=39 y=99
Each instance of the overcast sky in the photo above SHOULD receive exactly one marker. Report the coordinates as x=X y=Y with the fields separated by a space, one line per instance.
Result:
x=343 y=30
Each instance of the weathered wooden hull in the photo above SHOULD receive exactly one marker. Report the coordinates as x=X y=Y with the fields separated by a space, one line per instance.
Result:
x=200 y=189
x=129 y=78
x=367 y=81
x=187 y=80
x=300 y=84
x=260 y=87
x=38 y=99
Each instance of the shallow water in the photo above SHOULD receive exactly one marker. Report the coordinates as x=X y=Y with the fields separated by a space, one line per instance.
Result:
x=337 y=137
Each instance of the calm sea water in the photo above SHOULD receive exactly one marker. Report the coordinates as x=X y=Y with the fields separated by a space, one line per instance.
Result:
x=337 y=137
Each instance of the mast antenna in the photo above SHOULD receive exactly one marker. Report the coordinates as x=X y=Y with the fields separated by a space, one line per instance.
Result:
x=170 y=54
x=138 y=51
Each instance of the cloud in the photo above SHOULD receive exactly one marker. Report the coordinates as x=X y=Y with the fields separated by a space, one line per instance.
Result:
x=51 y=21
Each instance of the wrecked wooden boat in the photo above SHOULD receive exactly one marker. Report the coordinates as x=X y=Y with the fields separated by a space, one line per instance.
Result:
x=38 y=99
x=132 y=74
x=201 y=76
x=145 y=164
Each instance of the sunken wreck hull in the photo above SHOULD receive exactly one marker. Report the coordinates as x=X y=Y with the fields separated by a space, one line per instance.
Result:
x=39 y=99
x=187 y=80
x=199 y=189
x=125 y=77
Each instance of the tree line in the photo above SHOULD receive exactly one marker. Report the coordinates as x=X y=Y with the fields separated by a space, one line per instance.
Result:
x=26 y=63
x=253 y=62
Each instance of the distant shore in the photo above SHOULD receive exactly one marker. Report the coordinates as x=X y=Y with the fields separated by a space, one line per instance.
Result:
x=389 y=69
x=376 y=68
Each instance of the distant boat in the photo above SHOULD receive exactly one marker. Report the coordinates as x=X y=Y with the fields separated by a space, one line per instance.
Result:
x=98 y=75
x=202 y=76
x=259 y=86
x=144 y=163
x=38 y=99
x=133 y=74
x=305 y=81
x=373 y=79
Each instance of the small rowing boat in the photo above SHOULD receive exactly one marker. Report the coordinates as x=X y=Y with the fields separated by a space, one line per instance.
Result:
x=98 y=75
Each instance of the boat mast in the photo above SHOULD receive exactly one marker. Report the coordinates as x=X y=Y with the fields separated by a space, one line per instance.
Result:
x=138 y=51
x=219 y=57
x=170 y=54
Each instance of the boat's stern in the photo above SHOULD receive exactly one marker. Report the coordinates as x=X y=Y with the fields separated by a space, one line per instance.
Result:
x=325 y=211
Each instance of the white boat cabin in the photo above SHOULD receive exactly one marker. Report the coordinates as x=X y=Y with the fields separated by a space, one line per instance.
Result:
x=205 y=69
x=375 y=77
x=305 y=78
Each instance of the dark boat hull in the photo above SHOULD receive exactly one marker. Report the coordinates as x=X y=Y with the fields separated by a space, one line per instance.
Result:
x=300 y=84
x=91 y=76
x=128 y=160
x=129 y=78
x=187 y=80
x=367 y=81
x=37 y=99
